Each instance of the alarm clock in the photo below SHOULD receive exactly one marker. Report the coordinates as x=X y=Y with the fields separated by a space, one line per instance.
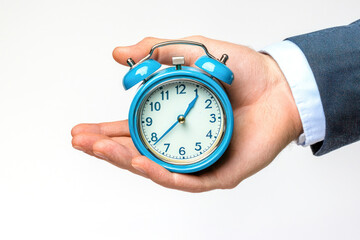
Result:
x=180 y=117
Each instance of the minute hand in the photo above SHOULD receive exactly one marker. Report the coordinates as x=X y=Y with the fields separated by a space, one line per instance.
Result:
x=167 y=131
x=191 y=105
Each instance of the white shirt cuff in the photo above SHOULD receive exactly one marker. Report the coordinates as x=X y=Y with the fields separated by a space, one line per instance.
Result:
x=300 y=77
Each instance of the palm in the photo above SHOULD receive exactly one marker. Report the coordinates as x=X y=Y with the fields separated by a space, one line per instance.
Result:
x=263 y=116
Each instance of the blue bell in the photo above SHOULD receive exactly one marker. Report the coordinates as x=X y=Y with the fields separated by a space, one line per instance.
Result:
x=140 y=72
x=215 y=69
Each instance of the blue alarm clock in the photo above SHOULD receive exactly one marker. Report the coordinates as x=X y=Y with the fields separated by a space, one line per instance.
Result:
x=181 y=117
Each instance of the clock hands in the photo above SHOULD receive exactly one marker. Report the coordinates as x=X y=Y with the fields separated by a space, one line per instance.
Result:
x=167 y=131
x=191 y=105
x=180 y=118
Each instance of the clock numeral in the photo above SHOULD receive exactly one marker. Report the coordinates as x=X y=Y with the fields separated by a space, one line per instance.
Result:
x=196 y=91
x=167 y=146
x=156 y=106
x=209 y=135
x=148 y=121
x=154 y=137
x=180 y=89
x=208 y=101
x=182 y=151
x=164 y=95
x=213 y=118
x=198 y=146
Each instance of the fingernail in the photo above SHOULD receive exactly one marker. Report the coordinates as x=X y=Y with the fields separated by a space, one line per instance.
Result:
x=100 y=155
x=137 y=167
x=78 y=148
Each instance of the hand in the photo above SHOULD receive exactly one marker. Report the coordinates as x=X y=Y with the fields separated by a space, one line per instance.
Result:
x=266 y=119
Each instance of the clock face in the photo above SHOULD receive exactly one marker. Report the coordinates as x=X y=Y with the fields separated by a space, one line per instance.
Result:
x=181 y=121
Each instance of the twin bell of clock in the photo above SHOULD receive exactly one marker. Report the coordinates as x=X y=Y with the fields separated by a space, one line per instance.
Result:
x=180 y=117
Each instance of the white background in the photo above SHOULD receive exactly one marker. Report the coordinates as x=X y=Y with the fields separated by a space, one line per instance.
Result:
x=56 y=70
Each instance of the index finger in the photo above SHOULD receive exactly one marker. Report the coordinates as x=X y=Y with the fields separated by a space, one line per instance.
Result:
x=110 y=129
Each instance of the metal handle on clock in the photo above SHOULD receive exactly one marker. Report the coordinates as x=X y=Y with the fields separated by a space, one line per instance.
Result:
x=223 y=58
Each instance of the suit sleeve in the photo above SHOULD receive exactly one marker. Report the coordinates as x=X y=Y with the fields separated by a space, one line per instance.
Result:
x=334 y=57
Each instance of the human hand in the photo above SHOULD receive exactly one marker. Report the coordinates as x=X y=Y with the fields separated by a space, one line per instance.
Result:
x=266 y=119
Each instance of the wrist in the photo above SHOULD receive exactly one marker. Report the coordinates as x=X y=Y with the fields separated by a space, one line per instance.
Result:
x=284 y=99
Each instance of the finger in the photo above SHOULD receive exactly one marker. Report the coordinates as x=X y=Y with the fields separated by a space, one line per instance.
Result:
x=165 y=54
x=128 y=143
x=113 y=152
x=85 y=141
x=110 y=129
x=184 y=182
x=116 y=154
x=137 y=51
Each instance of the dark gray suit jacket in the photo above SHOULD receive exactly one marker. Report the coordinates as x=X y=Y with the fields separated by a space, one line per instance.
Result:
x=334 y=57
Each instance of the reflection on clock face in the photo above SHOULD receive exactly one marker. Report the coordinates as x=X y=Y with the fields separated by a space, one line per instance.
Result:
x=181 y=121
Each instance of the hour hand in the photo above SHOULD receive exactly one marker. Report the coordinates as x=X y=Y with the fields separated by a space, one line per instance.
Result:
x=191 y=105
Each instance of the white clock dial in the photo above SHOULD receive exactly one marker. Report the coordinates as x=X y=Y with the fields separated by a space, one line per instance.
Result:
x=181 y=121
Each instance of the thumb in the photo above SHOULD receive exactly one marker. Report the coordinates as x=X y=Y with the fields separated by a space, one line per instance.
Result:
x=136 y=52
